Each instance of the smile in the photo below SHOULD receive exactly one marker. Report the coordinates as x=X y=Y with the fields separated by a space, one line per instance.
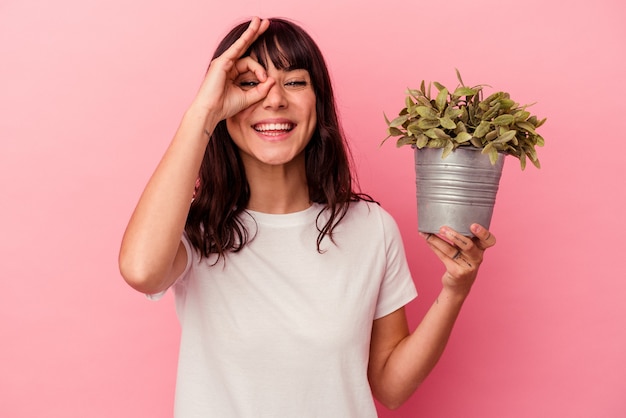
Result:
x=273 y=128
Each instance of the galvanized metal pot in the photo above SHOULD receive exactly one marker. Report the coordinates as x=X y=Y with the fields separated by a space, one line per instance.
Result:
x=456 y=191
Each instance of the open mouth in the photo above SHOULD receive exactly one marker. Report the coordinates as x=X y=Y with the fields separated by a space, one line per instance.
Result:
x=273 y=128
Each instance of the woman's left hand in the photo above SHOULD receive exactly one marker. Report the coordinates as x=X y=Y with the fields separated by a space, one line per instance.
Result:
x=460 y=255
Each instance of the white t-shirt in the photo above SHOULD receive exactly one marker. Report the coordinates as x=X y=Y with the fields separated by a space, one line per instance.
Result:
x=281 y=330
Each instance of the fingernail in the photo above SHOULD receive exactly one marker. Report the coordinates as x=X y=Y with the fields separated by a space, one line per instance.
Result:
x=425 y=235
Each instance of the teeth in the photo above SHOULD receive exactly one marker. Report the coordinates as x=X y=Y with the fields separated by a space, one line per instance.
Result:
x=262 y=127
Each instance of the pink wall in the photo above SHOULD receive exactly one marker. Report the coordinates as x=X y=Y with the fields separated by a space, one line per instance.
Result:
x=91 y=92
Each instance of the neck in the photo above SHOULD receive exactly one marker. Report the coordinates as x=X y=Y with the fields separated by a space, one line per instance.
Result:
x=278 y=189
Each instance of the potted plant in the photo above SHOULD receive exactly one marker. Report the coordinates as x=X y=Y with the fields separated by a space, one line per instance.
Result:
x=460 y=141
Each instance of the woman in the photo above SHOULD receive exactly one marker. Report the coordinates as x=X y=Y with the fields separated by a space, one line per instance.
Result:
x=290 y=286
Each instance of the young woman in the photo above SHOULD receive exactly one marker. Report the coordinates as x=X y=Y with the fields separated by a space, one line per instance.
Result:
x=290 y=286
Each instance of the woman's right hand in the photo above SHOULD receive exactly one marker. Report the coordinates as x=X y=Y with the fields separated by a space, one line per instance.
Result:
x=152 y=255
x=219 y=97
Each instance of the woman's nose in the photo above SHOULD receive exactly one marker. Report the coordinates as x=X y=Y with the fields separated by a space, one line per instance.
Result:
x=276 y=98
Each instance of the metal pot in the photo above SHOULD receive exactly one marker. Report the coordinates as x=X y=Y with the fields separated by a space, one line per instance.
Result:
x=456 y=191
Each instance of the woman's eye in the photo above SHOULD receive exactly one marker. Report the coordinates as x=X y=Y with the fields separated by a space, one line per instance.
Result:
x=296 y=83
x=248 y=84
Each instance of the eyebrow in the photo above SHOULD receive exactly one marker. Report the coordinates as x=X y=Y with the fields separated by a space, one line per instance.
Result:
x=294 y=68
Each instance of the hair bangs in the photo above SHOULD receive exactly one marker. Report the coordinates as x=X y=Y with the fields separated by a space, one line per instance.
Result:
x=286 y=48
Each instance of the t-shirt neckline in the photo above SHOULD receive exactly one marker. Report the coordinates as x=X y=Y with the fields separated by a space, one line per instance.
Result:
x=293 y=218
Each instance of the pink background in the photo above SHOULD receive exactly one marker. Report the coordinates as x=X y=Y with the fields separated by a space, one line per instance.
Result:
x=91 y=91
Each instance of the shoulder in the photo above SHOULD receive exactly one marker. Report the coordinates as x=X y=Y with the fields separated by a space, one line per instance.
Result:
x=369 y=212
x=370 y=221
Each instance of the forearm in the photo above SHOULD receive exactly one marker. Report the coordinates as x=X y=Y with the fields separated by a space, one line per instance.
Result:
x=152 y=238
x=416 y=355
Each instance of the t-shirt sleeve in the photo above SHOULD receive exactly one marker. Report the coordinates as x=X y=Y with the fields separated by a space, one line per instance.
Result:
x=397 y=287
x=190 y=253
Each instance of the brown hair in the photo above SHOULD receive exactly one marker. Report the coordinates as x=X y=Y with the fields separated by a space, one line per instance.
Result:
x=213 y=223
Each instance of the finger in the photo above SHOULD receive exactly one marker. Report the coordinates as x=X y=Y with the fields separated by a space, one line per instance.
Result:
x=485 y=238
x=436 y=244
x=259 y=92
x=453 y=258
x=241 y=45
x=456 y=238
x=442 y=248
x=247 y=64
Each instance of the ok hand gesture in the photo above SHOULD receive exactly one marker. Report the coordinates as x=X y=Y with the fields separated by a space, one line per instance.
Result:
x=219 y=96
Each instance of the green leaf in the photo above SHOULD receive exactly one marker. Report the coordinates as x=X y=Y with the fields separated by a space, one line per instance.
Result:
x=431 y=133
x=447 y=123
x=394 y=132
x=463 y=137
x=439 y=86
x=436 y=143
x=491 y=135
x=408 y=103
x=521 y=115
x=399 y=121
x=452 y=113
x=492 y=152
x=428 y=123
x=493 y=156
x=447 y=149
x=464 y=91
x=413 y=129
x=427 y=112
x=442 y=99
x=506 y=137
x=482 y=129
x=493 y=111
x=504 y=120
x=424 y=101
x=536 y=163
x=458 y=76
x=405 y=140
x=530 y=151
x=436 y=133
x=460 y=127
x=541 y=122
x=465 y=114
x=414 y=93
x=493 y=98
x=441 y=134
x=527 y=126
x=476 y=142
x=507 y=104
x=540 y=141
x=421 y=141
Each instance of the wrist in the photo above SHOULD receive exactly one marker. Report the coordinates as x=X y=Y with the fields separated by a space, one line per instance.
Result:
x=201 y=118
x=453 y=295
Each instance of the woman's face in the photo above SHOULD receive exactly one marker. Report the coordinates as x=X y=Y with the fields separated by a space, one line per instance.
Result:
x=276 y=130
